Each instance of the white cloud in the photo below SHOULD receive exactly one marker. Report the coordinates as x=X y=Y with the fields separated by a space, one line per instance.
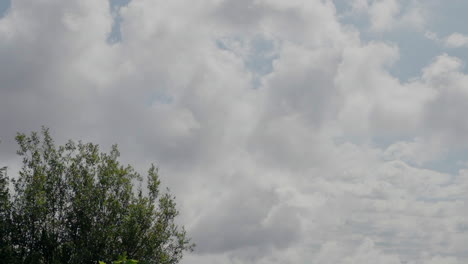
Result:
x=390 y=15
x=443 y=260
x=367 y=254
x=456 y=40
x=417 y=152
x=312 y=164
x=382 y=14
x=359 y=6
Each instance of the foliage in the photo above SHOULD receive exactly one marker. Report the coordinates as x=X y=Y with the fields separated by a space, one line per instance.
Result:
x=6 y=251
x=75 y=204
x=122 y=260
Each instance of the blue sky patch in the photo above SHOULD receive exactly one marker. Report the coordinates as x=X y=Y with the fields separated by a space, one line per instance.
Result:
x=257 y=53
x=4 y=7
x=115 y=5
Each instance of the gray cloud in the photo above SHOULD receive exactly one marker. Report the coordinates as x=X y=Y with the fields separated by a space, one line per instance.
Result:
x=245 y=219
x=271 y=165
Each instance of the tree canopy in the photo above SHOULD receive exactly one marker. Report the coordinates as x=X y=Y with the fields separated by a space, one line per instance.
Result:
x=76 y=204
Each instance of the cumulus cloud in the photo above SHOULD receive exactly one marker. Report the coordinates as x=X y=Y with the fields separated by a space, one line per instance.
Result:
x=382 y=14
x=390 y=15
x=454 y=40
x=282 y=132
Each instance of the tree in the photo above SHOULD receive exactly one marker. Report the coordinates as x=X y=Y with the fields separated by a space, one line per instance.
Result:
x=6 y=250
x=75 y=204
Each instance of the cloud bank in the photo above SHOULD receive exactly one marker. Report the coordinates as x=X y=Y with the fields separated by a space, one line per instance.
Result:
x=281 y=130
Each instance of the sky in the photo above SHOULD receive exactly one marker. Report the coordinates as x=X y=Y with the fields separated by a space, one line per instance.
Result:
x=299 y=131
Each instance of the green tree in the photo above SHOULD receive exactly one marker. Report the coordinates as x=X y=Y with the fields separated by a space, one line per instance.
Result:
x=75 y=204
x=6 y=250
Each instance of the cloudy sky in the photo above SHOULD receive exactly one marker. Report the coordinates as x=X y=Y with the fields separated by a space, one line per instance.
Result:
x=298 y=131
